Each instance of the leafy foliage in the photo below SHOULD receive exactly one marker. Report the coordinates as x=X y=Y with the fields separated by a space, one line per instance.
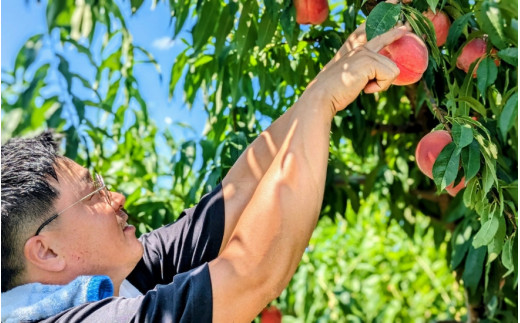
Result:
x=250 y=61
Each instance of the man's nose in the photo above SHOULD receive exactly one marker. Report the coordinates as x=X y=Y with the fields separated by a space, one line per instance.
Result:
x=118 y=200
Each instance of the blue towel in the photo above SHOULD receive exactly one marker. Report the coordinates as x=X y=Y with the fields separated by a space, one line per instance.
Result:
x=37 y=301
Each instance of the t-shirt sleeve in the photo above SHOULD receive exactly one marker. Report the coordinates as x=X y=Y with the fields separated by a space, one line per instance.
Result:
x=195 y=238
x=187 y=299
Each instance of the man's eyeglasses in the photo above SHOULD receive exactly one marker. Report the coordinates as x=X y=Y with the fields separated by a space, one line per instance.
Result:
x=100 y=188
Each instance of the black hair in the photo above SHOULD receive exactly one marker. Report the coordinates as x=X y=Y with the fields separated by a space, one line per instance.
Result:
x=27 y=197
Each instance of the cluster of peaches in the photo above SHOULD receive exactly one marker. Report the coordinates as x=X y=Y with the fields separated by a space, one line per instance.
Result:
x=410 y=54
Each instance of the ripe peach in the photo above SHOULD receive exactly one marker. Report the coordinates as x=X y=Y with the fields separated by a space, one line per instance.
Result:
x=311 y=11
x=271 y=314
x=473 y=50
x=429 y=148
x=441 y=24
x=410 y=55
x=427 y=151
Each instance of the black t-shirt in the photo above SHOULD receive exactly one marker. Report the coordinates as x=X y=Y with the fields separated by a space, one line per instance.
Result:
x=173 y=274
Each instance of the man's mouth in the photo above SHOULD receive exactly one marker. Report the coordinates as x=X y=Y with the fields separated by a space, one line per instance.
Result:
x=124 y=216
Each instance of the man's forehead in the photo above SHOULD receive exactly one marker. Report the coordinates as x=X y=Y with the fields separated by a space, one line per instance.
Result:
x=69 y=169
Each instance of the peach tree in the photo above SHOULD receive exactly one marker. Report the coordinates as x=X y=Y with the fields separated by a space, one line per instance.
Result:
x=248 y=61
x=253 y=59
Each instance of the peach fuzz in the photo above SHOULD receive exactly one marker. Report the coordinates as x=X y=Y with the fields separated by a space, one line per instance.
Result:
x=410 y=55
x=441 y=24
x=473 y=50
x=311 y=11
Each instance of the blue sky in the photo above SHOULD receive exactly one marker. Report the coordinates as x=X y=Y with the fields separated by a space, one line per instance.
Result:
x=150 y=29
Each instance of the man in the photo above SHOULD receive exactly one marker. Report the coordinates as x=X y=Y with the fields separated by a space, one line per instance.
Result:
x=69 y=255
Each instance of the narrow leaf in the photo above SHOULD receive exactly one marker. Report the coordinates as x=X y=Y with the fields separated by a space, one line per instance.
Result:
x=382 y=18
x=486 y=74
x=470 y=193
x=473 y=268
x=474 y=104
x=496 y=244
x=471 y=160
x=486 y=233
x=487 y=179
x=509 y=115
x=491 y=22
x=462 y=135
x=510 y=55
x=456 y=30
x=507 y=254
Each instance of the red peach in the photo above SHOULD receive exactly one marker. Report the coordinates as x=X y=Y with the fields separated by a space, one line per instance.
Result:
x=427 y=151
x=311 y=11
x=429 y=148
x=441 y=24
x=271 y=314
x=410 y=55
x=473 y=50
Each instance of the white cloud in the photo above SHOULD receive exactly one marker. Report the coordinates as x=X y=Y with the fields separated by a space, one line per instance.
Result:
x=163 y=43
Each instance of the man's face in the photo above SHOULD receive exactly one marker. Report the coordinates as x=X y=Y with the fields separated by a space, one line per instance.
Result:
x=93 y=235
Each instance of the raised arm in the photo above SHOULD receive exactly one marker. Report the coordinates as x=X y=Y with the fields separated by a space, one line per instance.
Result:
x=277 y=221
x=243 y=178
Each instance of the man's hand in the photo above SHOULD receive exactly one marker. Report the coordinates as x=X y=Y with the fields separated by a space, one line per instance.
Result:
x=357 y=66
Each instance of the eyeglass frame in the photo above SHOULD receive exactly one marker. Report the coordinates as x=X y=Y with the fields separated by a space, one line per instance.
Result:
x=98 y=181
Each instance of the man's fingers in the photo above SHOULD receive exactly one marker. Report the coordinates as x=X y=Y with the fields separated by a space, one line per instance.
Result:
x=378 y=43
x=385 y=71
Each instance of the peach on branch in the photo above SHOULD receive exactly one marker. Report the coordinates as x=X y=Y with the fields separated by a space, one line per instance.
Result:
x=474 y=50
x=311 y=11
x=427 y=151
x=410 y=55
x=441 y=24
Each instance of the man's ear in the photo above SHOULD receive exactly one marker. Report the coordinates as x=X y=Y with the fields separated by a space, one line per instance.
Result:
x=39 y=253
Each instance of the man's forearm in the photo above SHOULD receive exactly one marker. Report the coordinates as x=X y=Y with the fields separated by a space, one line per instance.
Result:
x=242 y=180
x=275 y=227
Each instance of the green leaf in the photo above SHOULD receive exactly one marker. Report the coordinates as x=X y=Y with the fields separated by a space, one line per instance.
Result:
x=136 y=4
x=461 y=241
x=29 y=52
x=491 y=22
x=510 y=55
x=487 y=179
x=226 y=20
x=471 y=160
x=177 y=69
x=474 y=104
x=456 y=30
x=486 y=74
x=433 y=4
x=267 y=26
x=507 y=255
x=446 y=166
x=473 y=268
x=289 y=26
x=486 y=233
x=470 y=193
x=382 y=18
x=206 y=23
x=508 y=115
x=462 y=135
x=496 y=244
